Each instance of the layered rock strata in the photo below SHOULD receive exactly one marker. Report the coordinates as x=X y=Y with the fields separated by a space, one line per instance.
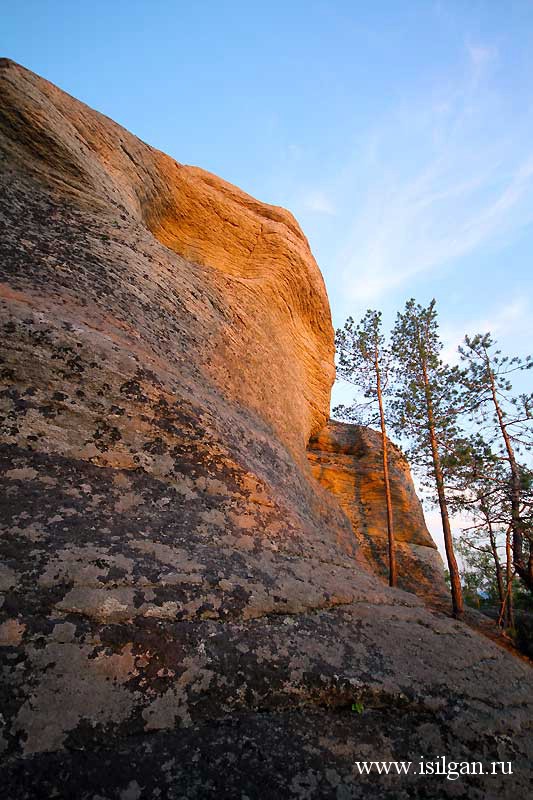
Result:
x=185 y=611
x=348 y=461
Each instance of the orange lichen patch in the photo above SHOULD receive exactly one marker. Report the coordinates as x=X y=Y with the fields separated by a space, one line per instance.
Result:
x=11 y=633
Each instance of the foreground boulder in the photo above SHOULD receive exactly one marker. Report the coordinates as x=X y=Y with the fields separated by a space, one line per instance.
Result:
x=186 y=611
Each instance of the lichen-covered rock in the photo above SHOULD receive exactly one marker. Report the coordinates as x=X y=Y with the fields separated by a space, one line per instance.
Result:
x=347 y=460
x=185 y=611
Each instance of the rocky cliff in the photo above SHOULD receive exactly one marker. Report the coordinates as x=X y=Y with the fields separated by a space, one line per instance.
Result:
x=186 y=611
x=347 y=460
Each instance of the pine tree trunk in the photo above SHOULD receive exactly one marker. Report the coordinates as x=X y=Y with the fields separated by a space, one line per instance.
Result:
x=384 y=448
x=455 y=581
x=509 y=579
x=497 y=567
x=529 y=580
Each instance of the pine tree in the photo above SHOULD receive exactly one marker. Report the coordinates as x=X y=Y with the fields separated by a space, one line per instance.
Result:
x=425 y=411
x=508 y=419
x=364 y=360
x=479 y=481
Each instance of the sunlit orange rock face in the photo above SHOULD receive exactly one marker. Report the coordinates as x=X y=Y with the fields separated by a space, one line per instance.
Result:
x=347 y=460
x=185 y=611
x=263 y=301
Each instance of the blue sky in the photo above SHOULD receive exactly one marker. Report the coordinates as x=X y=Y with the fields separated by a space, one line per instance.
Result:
x=398 y=133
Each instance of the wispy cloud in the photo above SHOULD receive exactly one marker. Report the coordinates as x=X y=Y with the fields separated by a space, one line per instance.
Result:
x=511 y=317
x=448 y=175
x=318 y=202
x=481 y=57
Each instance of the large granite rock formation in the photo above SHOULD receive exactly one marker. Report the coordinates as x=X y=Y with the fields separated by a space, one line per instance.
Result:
x=185 y=611
x=347 y=460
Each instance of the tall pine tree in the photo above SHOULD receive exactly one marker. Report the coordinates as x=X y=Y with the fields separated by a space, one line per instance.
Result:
x=364 y=360
x=425 y=411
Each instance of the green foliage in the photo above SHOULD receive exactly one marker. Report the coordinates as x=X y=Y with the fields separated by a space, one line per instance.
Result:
x=477 y=571
x=523 y=600
x=358 y=707
x=424 y=384
x=362 y=357
x=503 y=480
x=485 y=376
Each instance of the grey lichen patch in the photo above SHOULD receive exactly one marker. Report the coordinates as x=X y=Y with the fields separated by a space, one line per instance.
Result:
x=64 y=632
x=168 y=610
x=212 y=486
x=166 y=711
x=102 y=605
x=214 y=517
x=86 y=566
x=121 y=480
x=173 y=707
x=128 y=501
x=73 y=686
x=8 y=577
x=167 y=554
x=131 y=792
x=21 y=474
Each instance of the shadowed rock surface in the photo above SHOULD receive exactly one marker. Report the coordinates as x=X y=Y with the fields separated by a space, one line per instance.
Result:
x=185 y=611
x=347 y=460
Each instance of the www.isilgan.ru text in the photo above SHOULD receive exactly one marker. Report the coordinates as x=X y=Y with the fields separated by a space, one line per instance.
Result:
x=440 y=767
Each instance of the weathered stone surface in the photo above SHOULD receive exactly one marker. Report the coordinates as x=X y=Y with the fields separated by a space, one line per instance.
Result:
x=185 y=611
x=347 y=460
